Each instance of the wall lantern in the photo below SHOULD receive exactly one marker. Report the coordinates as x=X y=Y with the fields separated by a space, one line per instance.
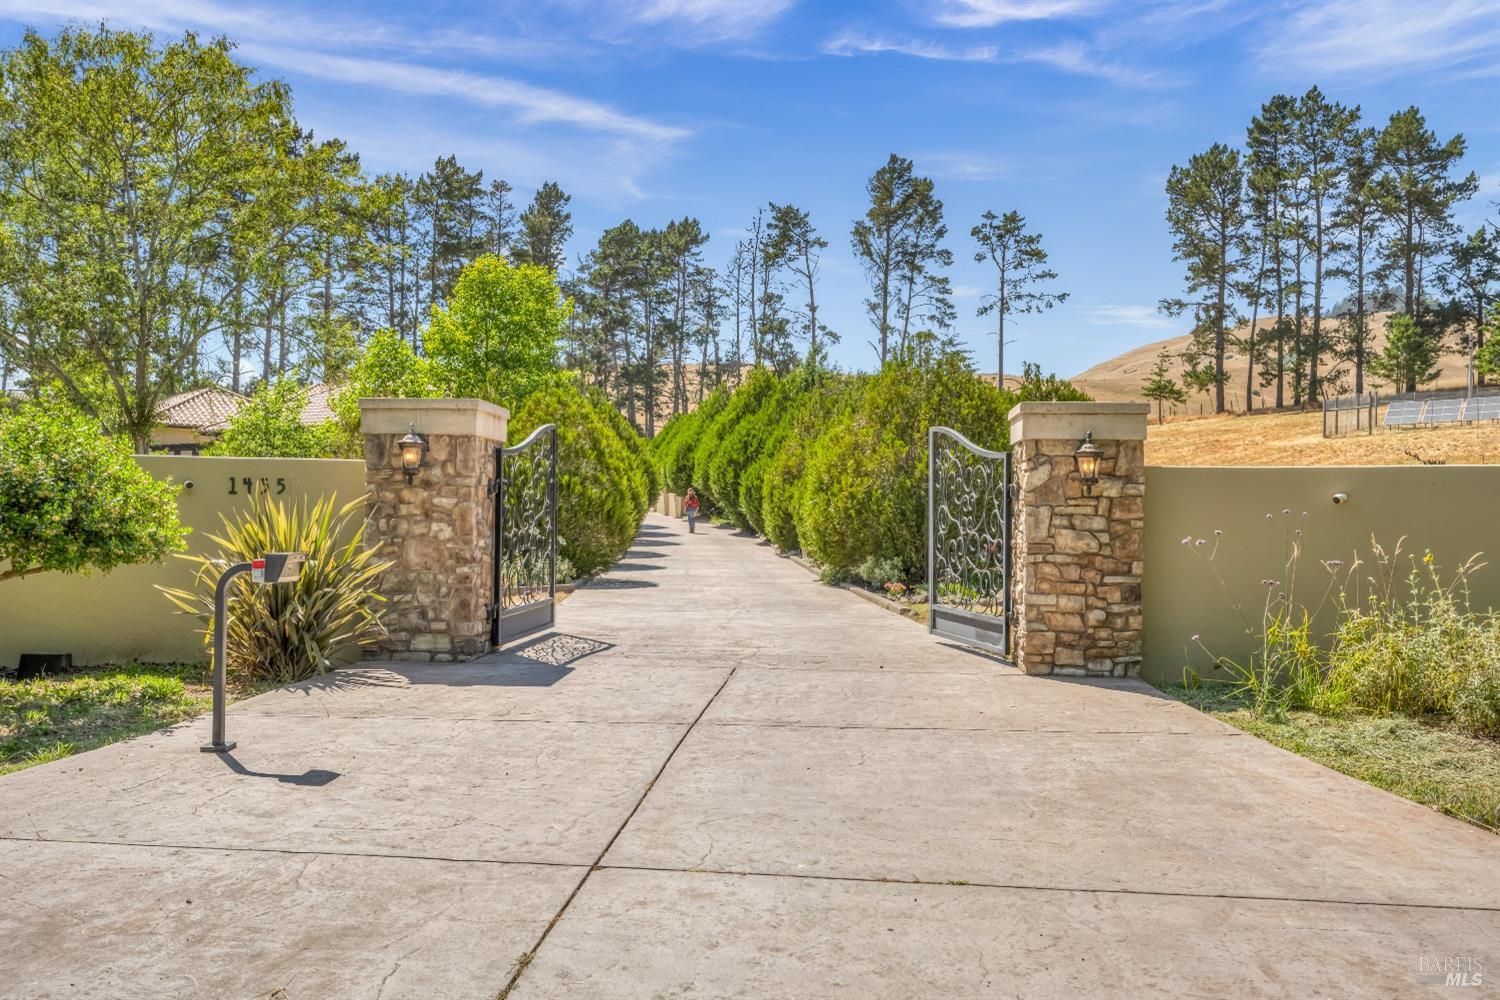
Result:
x=413 y=453
x=1087 y=456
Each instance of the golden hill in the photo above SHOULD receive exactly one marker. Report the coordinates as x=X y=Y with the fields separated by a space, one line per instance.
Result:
x=1121 y=377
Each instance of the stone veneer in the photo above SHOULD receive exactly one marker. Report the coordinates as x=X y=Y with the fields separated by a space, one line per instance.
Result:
x=1078 y=559
x=439 y=530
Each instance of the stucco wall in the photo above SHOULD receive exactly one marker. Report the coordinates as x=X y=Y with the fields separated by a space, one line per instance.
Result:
x=1450 y=510
x=121 y=615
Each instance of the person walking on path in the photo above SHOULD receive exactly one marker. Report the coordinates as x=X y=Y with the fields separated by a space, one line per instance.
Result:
x=691 y=506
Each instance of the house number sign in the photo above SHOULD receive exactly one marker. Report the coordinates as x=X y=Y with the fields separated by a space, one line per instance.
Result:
x=250 y=484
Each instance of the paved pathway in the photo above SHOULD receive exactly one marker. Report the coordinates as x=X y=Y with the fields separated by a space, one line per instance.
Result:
x=721 y=779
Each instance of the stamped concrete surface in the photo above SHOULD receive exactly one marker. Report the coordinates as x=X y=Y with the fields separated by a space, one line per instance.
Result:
x=718 y=778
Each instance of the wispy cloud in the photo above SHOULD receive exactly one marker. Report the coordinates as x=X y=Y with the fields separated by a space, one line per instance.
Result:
x=1382 y=38
x=330 y=47
x=961 y=166
x=1134 y=317
x=990 y=13
x=1080 y=59
x=853 y=43
x=530 y=104
x=705 y=22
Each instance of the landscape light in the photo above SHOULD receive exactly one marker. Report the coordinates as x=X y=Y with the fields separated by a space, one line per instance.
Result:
x=413 y=453
x=1087 y=456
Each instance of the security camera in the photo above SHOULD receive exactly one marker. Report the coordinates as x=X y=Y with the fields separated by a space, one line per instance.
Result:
x=1341 y=498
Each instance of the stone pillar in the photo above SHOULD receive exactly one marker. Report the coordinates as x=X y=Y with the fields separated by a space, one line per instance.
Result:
x=439 y=529
x=1078 y=559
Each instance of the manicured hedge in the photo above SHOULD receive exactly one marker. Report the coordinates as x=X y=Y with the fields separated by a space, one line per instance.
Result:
x=835 y=465
x=605 y=485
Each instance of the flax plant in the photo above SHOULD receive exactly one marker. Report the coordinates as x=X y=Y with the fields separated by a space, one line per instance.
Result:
x=289 y=632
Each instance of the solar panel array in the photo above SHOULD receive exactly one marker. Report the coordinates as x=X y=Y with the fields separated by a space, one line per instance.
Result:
x=1484 y=408
x=1403 y=413
x=1444 y=411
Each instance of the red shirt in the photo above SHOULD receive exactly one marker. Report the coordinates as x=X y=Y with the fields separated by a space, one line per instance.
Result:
x=691 y=503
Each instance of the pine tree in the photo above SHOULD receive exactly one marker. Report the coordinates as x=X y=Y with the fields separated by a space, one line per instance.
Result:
x=1020 y=262
x=796 y=245
x=1161 y=387
x=546 y=226
x=1206 y=214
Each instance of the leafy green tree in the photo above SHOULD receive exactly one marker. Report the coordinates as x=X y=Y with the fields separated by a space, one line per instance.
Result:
x=73 y=500
x=1410 y=356
x=112 y=303
x=389 y=368
x=1161 y=387
x=497 y=338
x=1020 y=263
x=1207 y=215
x=546 y=226
x=269 y=424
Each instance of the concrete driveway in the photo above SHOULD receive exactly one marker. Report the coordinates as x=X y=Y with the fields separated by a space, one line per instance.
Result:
x=720 y=779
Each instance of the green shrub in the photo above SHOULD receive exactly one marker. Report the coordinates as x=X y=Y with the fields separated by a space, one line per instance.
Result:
x=72 y=500
x=782 y=479
x=1476 y=707
x=716 y=462
x=865 y=487
x=269 y=425
x=602 y=487
x=1036 y=387
x=291 y=631
x=1410 y=646
x=878 y=572
x=676 y=446
x=638 y=446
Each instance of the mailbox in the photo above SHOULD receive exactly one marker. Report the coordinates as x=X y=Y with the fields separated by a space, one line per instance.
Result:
x=277 y=567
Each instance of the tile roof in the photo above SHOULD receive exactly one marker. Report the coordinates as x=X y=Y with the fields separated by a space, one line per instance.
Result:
x=208 y=410
x=199 y=409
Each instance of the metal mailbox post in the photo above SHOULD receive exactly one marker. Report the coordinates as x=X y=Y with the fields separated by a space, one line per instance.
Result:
x=273 y=567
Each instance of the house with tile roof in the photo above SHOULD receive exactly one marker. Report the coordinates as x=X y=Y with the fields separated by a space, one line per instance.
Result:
x=189 y=421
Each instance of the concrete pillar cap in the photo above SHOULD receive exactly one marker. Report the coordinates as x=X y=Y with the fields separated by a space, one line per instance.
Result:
x=1072 y=421
x=455 y=417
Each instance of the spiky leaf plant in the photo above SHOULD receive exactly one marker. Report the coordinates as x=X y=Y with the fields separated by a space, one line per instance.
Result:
x=288 y=632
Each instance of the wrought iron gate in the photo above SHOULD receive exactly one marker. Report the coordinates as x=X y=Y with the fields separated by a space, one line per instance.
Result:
x=525 y=570
x=968 y=541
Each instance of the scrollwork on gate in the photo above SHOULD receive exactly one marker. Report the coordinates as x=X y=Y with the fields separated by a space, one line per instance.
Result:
x=525 y=524
x=970 y=525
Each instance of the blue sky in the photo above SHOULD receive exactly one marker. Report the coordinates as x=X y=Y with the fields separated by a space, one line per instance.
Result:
x=1070 y=111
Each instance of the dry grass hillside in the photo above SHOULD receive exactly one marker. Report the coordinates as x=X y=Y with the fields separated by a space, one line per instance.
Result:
x=1297 y=439
x=1121 y=377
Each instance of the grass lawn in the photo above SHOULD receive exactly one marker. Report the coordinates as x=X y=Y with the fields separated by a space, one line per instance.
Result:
x=55 y=717
x=1427 y=763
